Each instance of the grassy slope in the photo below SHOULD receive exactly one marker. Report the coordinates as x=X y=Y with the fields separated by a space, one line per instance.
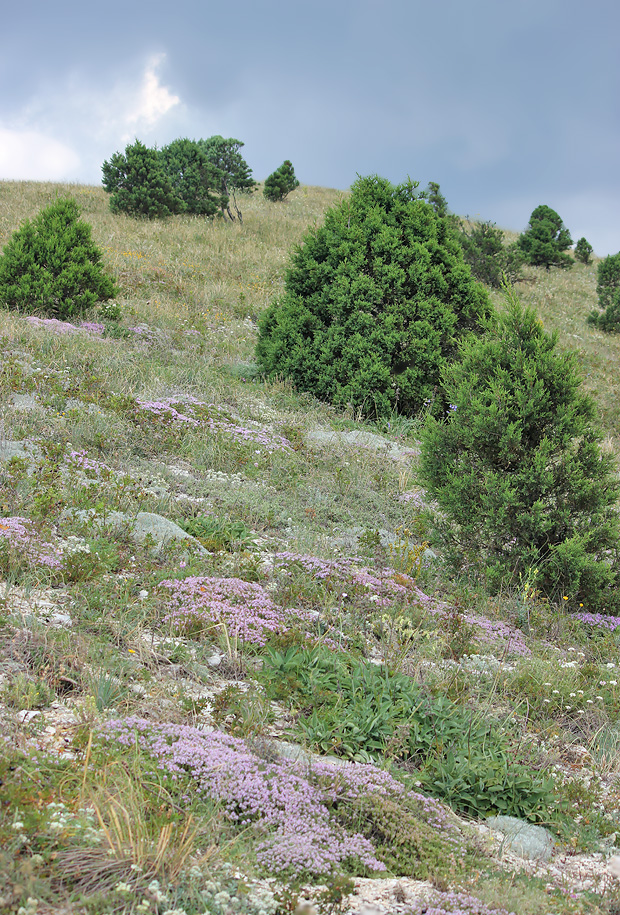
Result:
x=200 y=288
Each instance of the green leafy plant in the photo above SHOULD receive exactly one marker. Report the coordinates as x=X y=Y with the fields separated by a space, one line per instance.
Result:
x=516 y=465
x=138 y=184
x=365 y=712
x=374 y=303
x=51 y=265
x=492 y=261
x=583 y=251
x=218 y=534
x=281 y=182
x=546 y=239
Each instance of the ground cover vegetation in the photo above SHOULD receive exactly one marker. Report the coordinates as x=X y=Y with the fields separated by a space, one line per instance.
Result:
x=236 y=664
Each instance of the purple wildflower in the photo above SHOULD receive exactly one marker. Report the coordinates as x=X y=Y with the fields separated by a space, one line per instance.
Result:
x=285 y=809
x=243 y=607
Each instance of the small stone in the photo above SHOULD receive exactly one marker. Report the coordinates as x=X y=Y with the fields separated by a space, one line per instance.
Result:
x=26 y=715
x=613 y=866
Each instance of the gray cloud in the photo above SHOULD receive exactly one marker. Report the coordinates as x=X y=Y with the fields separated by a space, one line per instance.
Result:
x=505 y=106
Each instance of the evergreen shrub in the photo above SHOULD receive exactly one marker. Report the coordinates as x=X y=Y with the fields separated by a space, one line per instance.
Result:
x=491 y=260
x=517 y=470
x=51 y=265
x=583 y=251
x=281 y=182
x=138 y=184
x=375 y=301
x=546 y=239
x=608 y=290
x=194 y=179
x=235 y=175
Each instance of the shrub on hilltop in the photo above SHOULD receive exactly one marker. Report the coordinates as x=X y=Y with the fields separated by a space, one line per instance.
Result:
x=375 y=302
x=52 y=266
x=583 y=251
x=280 y=183
x=546 y=239
x=608 y=289
x=517 y=470
x=492 y=261
x=138 y=184
x=235 y=173
x=195 y=180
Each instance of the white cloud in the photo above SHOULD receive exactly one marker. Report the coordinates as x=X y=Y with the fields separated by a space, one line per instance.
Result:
x=154 y=100
x=43 y=139
x=31 y=155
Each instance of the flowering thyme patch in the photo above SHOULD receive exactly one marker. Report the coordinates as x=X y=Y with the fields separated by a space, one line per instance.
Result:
x=599 y=620
x=243 y=608
x=93 y=469
x=191 y=412
x=380 y=588
x=20 y=542
x=287 y=811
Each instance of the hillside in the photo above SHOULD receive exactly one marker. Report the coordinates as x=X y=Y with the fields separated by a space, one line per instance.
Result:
x=233 y=670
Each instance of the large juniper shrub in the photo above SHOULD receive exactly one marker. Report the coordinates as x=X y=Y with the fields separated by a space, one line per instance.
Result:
x=517 y=469
x=52 y=266
x=375 y=301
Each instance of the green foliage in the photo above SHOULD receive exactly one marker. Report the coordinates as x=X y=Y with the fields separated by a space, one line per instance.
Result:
x=281 y=182
x=608 y=289
x=217 y=534
x=433 y=194
x=365 y=713
x=375 y=301
x=516 y=465
x=52 y=266
x=490 y=259
x=402 y=837
x=583 y=251
x=138 y=184
x=195 y=180
x=546 y=239
x=235 y=173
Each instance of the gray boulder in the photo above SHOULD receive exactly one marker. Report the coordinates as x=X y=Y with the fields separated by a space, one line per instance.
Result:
x=524 y=839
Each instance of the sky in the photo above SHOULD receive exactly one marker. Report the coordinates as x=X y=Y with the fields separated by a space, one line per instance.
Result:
x=506 y=105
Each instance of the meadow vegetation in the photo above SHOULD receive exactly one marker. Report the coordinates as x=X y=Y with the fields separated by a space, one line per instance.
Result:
x=297 y=690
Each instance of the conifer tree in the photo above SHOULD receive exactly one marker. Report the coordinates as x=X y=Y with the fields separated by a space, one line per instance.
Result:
x=375 y=301
x=281 y=182
x=137 y=183
x=546 y=240
x=51 y=265
x=517 y=470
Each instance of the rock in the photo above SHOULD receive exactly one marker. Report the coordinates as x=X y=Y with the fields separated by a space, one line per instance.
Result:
x=613 y=866
x=524 y=839
x=361 y=438
x=145 y=524
x=10 y=450
x=26 y=716
x=24 y=401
